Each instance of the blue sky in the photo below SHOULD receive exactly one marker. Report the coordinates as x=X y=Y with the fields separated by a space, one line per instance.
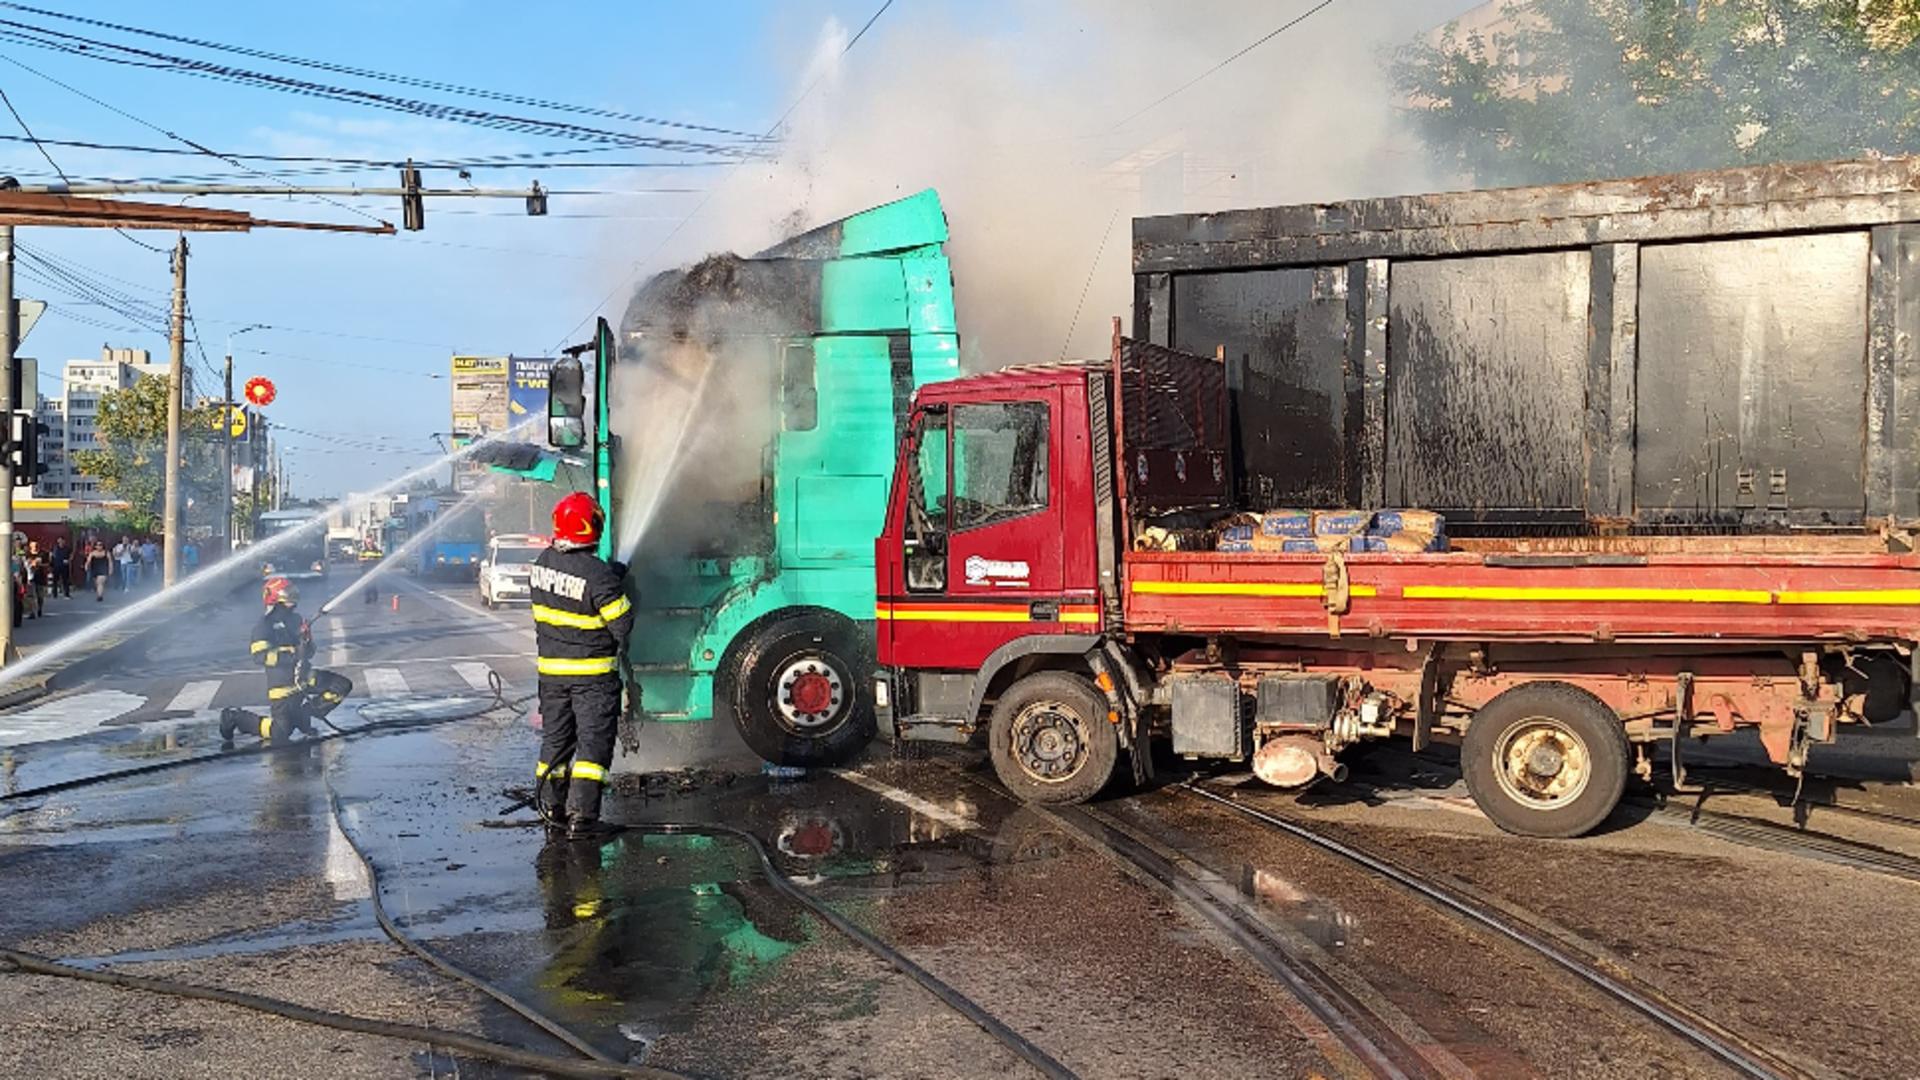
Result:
x=487 y=284
x=365 y=325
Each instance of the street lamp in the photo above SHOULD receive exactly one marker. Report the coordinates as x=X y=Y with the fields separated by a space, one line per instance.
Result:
x=226 y=444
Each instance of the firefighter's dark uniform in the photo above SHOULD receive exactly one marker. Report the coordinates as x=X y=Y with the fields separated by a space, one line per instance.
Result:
x=296 y=694
x=581 y=620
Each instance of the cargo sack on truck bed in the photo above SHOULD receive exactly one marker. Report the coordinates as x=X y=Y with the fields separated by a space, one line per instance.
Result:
x=1361 y=531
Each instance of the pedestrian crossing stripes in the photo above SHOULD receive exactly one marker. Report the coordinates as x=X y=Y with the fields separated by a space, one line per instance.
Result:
x=384 y=681
x=128 y=703
x=194 y=696
x=475 y=674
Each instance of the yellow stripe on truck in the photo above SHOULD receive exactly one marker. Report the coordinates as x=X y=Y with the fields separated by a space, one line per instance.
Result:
x=1312 y=590
x=1591 y=594
x=1009 y=615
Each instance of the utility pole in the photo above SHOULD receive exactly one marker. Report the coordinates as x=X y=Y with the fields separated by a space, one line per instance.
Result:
x=176 y=384
x=8 y=326
x=227 y=406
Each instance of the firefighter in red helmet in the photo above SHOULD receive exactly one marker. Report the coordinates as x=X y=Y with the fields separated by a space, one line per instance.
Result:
x=297 y=694
x=581 y=619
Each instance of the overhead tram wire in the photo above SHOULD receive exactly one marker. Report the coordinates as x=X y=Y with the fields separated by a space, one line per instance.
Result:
x=533 y=159
x=1197 y=79
x=182 y=139
x=715 y=189
x=125 y=55
x=42 y=147
x=389 y=77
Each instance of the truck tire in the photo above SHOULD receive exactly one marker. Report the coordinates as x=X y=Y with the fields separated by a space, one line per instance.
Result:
x=1050 y=739
x=800 y=690
x=1545 y=759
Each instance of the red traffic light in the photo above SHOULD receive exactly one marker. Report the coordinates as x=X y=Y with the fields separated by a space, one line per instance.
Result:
x=260 y=390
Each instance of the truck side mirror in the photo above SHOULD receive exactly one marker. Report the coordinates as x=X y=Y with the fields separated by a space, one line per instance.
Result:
x=567 y=404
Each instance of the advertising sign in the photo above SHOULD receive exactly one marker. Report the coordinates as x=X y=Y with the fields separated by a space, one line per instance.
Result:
x=527 y=392
x=479 y=396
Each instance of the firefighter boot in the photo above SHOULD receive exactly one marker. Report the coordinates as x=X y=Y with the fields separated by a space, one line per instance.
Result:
x=233 y=721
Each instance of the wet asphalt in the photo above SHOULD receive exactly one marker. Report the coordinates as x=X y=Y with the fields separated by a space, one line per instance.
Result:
x=676 y=950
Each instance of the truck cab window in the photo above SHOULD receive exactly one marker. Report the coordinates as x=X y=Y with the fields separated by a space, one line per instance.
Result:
x=799 y=396
x=999 y=463
x=926 y=539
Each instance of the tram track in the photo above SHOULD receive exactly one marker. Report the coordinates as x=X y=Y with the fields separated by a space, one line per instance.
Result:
x=1581 y=960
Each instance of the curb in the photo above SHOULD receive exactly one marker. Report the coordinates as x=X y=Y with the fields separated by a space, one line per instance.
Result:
x=42 y=684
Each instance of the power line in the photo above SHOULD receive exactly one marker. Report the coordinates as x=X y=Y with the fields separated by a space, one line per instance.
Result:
x=344 y=363
x=402 y=80
x=42 y=147
x=1190 y=83
x=126 y=55
x=532 y=159
x=714 y=190
x=182 y=139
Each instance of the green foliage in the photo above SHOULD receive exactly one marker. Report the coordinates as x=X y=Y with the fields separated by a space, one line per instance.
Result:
x=1579 y=89
x=131 y=464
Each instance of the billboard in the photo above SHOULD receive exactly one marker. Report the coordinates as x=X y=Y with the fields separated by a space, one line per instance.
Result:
x=527 y=392
x=479 y=396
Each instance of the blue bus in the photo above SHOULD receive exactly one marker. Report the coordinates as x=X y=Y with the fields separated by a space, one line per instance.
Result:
x=456 y=547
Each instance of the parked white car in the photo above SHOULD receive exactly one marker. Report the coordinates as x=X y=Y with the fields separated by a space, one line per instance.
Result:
x=504 y=572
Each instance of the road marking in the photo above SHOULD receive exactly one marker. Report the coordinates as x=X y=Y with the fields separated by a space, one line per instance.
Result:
x=523 y=630
x=337 y=643
x=194 y=696
x=384 y=681
x=67 y=717
x=345 y=872
x=909 y=800
x=475 y=674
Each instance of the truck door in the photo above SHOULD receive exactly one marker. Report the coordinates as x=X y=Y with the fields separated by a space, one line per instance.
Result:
x=982 y=559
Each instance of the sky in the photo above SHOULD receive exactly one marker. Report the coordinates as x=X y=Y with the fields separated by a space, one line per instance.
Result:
x=1018 y=111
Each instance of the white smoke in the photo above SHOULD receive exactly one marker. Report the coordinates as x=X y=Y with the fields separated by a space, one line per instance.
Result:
x=1023 y=119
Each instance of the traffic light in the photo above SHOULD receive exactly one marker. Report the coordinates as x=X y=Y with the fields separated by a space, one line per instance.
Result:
x=537 y=201
x=24 y=448
x=413 y=208
x=567 y=404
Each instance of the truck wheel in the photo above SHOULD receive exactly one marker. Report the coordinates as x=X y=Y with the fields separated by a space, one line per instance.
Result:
x=800 y=691
x=1545 y=759
x=1050 y=739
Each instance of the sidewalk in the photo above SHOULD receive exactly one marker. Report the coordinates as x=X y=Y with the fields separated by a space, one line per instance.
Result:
x=66 y=617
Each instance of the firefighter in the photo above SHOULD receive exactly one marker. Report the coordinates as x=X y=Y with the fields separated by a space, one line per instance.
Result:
x=297 y=694
x=581 y=619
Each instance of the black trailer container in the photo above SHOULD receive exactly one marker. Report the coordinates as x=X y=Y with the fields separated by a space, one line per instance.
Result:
x=1728 y=351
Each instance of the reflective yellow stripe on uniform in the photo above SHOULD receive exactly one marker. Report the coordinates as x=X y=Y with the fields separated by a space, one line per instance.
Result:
x=541 y=770
x=595 y=665
x=259 y=646
x=553 y=616
x=266 y=727
x=278 y=693
x=616 y=609
x=587 y=770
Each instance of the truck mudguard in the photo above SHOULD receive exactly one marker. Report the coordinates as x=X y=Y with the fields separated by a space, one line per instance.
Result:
x=1020 y=649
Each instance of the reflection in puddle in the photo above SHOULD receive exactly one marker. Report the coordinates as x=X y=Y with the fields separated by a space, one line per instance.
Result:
x=641 y=928
x=1319 y=920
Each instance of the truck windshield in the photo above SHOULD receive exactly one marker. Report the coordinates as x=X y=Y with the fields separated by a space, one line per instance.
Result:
x=999 y=462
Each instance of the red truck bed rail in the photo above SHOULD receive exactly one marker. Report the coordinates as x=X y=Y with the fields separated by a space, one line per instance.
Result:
x=1717 y=598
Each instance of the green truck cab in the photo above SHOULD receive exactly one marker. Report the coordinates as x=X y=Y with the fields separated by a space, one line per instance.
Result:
x=755 y=602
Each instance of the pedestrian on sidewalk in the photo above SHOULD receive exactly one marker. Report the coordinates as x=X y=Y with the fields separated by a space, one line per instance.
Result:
x=19 y=585
x=123 y=557
x=148 y=556
x=190 y=556
x=99 y=568
x=62 y=560
x=38 y=571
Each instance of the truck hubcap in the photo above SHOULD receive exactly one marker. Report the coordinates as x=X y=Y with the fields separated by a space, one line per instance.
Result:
x=1542 y=763
x=1049 y=742
x=809 y=695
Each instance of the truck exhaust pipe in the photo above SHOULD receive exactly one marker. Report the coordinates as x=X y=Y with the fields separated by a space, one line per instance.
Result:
x=1292 y=761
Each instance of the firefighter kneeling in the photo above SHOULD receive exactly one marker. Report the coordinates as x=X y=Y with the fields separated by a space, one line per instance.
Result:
x=297 y=693
x=581 y=618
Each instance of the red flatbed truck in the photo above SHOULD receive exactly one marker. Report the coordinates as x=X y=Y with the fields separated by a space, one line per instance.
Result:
x=1012 y=603
x=1672 y=424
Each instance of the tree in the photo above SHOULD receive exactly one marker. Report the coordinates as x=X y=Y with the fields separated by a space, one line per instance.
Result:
x=1578 y=89
x=132 y=428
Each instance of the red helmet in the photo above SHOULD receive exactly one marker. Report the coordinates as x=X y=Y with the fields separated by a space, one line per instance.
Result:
x=578 y=520
x=279 y=590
